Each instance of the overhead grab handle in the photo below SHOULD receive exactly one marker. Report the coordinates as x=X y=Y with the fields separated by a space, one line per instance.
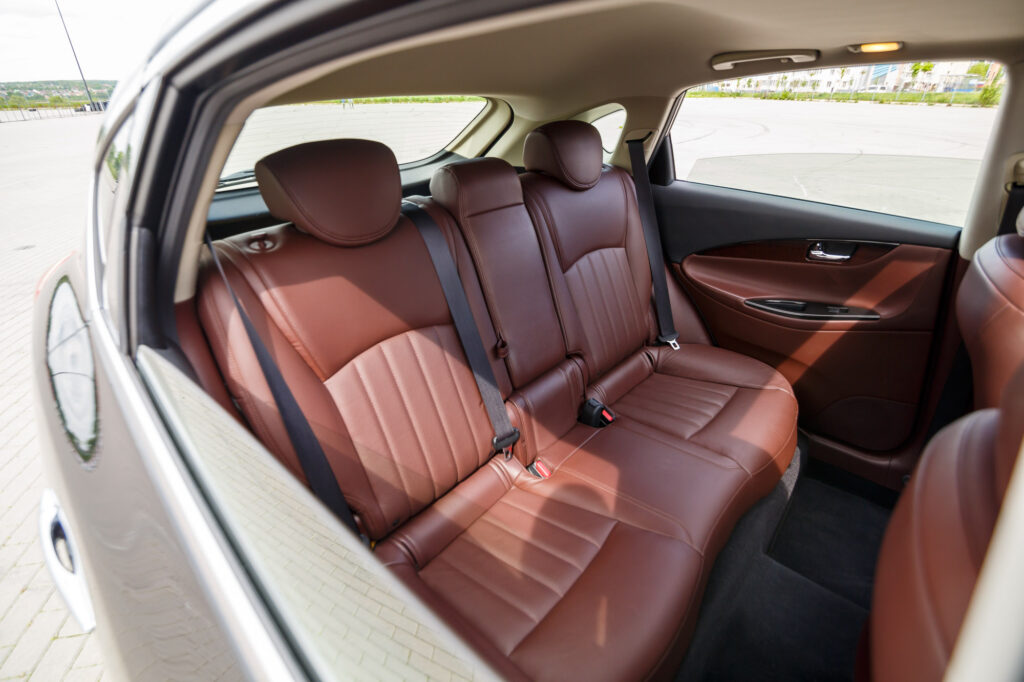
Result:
x=727 y=60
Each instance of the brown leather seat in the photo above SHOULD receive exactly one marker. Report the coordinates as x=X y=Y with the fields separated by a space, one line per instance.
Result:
x=990 y=310
x=937 y=539
x=676 y=471
x=729 y=406
x=548 y=579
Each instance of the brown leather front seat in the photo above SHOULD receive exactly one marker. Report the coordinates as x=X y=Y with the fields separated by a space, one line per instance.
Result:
x=990 y=309
x=937 y=539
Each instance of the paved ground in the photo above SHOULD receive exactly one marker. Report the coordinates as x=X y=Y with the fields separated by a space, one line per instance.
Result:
x=43 y=185
x=916 y=161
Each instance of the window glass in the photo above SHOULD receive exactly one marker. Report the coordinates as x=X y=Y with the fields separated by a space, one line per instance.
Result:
x=413 y=127
x=610 y=128
x=905 y=139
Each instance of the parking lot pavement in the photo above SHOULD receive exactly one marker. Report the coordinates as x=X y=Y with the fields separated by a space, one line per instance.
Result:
x=43 y=185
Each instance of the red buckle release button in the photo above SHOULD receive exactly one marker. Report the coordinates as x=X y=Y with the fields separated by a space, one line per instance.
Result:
x=541 y=469
x=609 y=417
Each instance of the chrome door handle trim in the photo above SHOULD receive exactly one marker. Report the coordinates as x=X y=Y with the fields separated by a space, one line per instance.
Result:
x=70 y=581
x=818 y=252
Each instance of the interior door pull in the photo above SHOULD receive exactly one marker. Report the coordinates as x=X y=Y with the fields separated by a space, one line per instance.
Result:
x=818 y=251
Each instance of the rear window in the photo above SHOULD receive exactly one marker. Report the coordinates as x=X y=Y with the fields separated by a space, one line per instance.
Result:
x=905 y=139
x=413 y=127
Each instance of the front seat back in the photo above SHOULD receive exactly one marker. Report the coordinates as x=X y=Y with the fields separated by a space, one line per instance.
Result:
x=990 y=310
x=937 y=539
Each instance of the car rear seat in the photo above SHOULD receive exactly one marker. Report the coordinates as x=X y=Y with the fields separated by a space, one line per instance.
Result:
x=630 y=462
x=725 y=404
x=593 y=572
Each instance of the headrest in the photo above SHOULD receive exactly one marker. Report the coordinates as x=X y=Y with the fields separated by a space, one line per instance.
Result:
x=471 y=187
x=1011 y=429
x=569 y=151
x=345 y=192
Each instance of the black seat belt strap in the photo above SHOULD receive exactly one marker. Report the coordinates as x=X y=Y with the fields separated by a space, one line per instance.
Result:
x=645 y=202
x=1014 y=206
x=307 y=447
x=505 y=435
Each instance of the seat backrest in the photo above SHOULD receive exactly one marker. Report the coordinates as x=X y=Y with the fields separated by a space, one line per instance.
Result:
x=990 y=310
x=348 y=302
x=486 y=199
x=937 y=539
x=587 y=218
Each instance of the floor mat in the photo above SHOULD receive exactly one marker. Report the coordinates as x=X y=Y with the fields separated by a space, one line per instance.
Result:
x=784 y=627
x=832 y=537
x=788 y=600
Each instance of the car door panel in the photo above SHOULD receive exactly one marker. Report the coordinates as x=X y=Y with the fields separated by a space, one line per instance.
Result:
x=860 y=379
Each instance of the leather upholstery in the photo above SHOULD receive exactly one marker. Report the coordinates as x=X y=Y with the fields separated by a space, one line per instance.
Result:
x=990 y=310
x=569 y=151
x=937 y=539
x=486 y=199
x=595 y=572
x=307 y=184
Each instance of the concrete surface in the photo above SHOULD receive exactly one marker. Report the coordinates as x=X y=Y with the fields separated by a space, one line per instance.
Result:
x=915 y=161
x=43 y=185
x=44 y=173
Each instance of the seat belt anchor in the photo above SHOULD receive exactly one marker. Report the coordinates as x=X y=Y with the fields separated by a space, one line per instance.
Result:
x=670 y=341
x=503 y=444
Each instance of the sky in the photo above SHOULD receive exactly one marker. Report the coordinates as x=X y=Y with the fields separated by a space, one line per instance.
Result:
x=112 y=37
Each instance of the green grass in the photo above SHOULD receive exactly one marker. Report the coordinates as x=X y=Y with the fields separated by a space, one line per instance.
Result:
x=986 y=97
x=427 y=99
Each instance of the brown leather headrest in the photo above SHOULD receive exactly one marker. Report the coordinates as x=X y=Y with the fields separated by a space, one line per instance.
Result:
x=567 y=150
x=345 y=192
x=467 y=188
x=1011 y=429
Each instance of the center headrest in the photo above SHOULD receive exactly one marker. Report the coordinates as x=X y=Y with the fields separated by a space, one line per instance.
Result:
x=567 y=150
x=345 y=192
x=468 y=188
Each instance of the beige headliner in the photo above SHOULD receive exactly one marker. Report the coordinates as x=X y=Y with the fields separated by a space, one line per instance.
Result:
x=562 y=65
x=558 y=61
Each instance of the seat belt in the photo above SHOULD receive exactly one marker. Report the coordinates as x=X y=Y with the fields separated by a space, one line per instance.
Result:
x=505 y=435
x=645 y=202
x=1014 y=206
x=307 y=447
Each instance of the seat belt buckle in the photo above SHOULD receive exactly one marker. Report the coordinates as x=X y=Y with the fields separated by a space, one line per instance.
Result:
x=539 y=469
x=670 y=341
x=503 y=444
x=594 y=413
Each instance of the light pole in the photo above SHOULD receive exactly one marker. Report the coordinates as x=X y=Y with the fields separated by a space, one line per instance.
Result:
x=92 y=105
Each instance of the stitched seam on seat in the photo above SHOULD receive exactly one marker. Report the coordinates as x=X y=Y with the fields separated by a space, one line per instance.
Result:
x=672 y=441
x=421 y=448
x=532 y=542
x=492 y=553
x=594 y=331
x=567 y=529
x=507 y=599
x=626 y=497
x=644 y=405
x=467 y=537
x=567 y=591
x=442 y=415
x=374 y=405
x=462 y=399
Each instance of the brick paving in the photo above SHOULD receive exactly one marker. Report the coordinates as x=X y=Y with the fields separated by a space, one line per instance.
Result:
x=44 y=167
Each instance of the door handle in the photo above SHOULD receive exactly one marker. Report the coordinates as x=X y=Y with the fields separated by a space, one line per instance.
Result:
x=831 y=253
x=60 y=554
